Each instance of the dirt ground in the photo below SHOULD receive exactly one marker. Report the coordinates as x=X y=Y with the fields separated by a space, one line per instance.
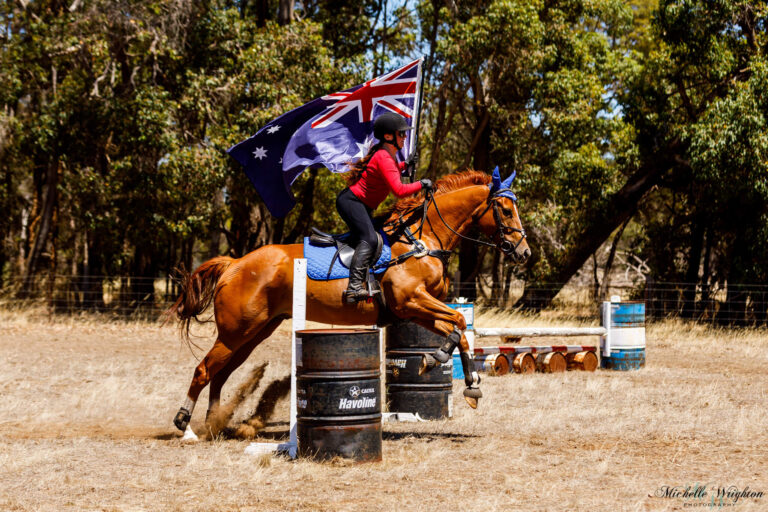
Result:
x=87 y=407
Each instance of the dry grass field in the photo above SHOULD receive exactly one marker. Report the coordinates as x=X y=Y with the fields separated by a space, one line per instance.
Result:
x=86 y=410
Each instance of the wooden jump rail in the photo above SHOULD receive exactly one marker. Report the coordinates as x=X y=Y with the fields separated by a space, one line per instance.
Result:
x=531 y=332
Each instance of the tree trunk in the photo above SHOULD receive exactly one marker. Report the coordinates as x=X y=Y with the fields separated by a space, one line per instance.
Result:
x=215 y=232
x=481 y=144
x=143 y=271
x=481 y=156
x=92 y=275
x=706 y=285
x=262 y=12
x=440 y=132
x=507 y=285
x=496 y=283
x=277 y=231
x=595 y=278
x=44 y=226
x=605 y=289
x=593 y=234
x=694 y=263
x=468 y=263
x=285 y=12
x=734 y=311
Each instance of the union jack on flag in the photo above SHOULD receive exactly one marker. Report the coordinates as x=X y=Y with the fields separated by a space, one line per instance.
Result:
x=330 y=131
x=388 y=91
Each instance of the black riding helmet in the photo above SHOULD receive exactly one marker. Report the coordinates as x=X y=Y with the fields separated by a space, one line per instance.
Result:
x=389 y=122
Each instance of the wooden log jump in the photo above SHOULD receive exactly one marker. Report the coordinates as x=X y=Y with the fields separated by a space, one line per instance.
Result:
x=544 y=358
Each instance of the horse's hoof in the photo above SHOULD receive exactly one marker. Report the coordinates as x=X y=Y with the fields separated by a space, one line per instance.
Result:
x=427 y=363
x=182 y=419
x=189 y=436
x=473 y=396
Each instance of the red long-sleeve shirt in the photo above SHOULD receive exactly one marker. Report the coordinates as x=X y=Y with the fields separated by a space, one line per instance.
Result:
x=381 y=176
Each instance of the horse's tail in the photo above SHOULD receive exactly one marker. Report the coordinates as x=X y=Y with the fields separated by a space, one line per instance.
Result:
x=197 y=291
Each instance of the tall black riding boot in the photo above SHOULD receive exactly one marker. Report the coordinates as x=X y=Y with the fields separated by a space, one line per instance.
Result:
x=358 y=269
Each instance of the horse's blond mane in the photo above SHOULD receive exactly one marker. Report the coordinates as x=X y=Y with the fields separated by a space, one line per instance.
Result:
x=446 y=184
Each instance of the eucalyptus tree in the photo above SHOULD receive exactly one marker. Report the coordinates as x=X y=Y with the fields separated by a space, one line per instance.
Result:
x=531 y=86
x=704 y=86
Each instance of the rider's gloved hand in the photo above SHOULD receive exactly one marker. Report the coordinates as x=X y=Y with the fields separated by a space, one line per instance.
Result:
x=426 y=184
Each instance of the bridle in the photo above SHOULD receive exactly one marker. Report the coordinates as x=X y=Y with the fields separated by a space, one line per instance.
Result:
x=502 y=229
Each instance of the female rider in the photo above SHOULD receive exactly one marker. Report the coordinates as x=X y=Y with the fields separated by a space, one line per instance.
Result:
x=371 y=180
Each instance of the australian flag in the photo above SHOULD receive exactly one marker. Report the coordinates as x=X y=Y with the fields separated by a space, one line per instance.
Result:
x=329 y=132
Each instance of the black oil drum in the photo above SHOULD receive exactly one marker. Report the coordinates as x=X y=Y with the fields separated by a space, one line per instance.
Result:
x=410 y=335
x=351 y=437
x=338 y=394
x=429 y=395
x=430 y=401
x=402 y=367
x=331 y=350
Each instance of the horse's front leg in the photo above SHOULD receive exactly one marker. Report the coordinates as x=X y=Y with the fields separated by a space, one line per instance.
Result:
x=472 y=393
x=431 y=313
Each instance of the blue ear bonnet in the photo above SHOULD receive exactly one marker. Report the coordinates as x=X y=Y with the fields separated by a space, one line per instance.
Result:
x=502 y=188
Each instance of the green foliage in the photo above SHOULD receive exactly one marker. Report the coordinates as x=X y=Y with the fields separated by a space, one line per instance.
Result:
x=135 y=102
x=704 y=85
x=546 y=76
x=125 y=110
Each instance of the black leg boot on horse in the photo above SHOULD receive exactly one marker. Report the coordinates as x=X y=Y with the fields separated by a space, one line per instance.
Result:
x=428 y=361
x=358 y=271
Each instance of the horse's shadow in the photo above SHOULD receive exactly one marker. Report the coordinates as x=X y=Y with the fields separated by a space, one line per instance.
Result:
x=427 y=436
x=283 y=435
x=166 y=437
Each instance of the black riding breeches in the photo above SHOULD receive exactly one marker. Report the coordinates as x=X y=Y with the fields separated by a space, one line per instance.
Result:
x=357 y=216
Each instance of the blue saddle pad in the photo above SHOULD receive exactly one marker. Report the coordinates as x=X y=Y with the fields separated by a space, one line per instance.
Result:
x=319 y=259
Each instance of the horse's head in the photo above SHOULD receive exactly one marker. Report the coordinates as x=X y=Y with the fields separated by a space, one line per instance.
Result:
x=501 y=221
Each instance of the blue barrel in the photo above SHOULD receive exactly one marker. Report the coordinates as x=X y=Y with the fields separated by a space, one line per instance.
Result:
x=623 y=348
x=468 y=310
x=458 y=369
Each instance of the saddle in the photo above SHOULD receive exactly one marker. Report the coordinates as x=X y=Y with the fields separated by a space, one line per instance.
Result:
x=344 y=248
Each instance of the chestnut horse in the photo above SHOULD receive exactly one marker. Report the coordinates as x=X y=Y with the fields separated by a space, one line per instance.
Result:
x=252 y=295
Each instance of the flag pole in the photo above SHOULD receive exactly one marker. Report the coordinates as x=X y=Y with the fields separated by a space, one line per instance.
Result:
x=414 y=139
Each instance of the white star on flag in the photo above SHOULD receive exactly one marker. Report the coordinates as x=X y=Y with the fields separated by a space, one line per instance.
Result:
x=259 y=153
x=273 y=129
x=364 y=147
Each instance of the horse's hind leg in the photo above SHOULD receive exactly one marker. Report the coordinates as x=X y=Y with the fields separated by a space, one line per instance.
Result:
x=218 y=381
x=215 y=360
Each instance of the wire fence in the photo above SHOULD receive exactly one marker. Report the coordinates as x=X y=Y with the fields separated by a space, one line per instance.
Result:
x=125 y=296
x=715 y=304
x=149 y=297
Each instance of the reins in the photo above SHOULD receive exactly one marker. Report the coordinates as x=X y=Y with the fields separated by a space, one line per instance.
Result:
x=420 y=250
x=431 y=200
x=505 y=245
